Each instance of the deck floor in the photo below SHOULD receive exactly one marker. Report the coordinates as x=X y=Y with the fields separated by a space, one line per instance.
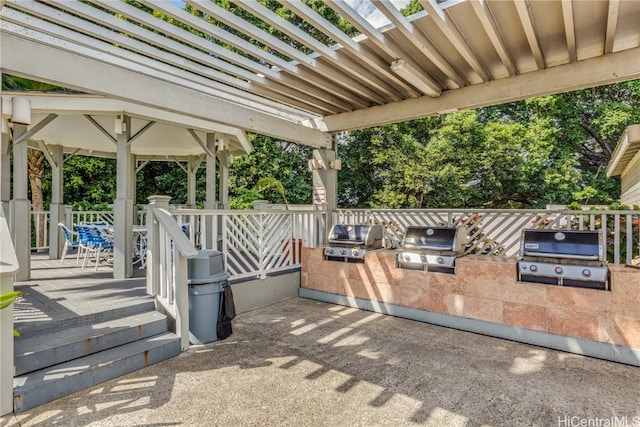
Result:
x=59 y=291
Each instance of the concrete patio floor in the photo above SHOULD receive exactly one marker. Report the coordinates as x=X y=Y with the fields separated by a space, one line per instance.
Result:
x=308 y=363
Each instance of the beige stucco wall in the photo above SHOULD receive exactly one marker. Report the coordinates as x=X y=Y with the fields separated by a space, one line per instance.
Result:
x=486 y=288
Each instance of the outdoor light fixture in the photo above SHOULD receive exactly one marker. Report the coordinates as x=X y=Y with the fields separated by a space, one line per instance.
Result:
x=20 y=111
x=415 y=77
x=120 y=125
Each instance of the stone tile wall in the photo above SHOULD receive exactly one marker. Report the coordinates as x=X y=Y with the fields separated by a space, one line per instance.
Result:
x=485 y=288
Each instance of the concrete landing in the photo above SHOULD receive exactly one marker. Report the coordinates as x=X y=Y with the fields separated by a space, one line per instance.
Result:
x=307 y=363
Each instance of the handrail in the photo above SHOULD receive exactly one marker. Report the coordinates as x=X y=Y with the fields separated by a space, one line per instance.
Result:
x=167 y=252
x=180 y=240
x=8 y=269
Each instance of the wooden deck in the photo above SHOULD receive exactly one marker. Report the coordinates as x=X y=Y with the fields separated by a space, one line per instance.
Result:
x=65 y=291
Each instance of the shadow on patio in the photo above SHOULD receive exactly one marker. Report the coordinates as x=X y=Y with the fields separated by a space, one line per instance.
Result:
x=302 y=362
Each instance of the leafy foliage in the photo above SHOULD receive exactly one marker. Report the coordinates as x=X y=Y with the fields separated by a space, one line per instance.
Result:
x=545 y=150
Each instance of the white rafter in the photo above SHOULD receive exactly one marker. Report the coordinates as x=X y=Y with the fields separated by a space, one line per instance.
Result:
x=569 y=28
x=420 y=41
x=377 y=64
x=612 y=25
x=481 y=9
x=175 y=68
x=324 y=75
x=105 y=77
x=449 y=29
x=387 y=47
x=288 y=85
x=522 y=6
x=289 y=70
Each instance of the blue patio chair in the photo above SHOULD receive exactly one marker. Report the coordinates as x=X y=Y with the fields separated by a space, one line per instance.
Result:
x=69 y=242
x=94 y=241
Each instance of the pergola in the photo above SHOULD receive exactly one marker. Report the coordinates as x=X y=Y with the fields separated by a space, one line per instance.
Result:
x=455 y=55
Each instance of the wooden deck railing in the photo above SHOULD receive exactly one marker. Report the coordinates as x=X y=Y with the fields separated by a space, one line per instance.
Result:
x=254 y=243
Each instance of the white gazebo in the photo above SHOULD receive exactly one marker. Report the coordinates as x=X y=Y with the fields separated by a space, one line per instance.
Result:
x=63 y=125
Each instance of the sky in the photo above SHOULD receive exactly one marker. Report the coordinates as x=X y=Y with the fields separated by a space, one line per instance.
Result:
x=367 y=10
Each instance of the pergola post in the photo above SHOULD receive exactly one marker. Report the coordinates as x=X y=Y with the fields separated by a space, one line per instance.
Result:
x=5 y=171
x=192 y=169
x=210 y=240
x=123 y=205
x=223 y=155
x=325 y=181
x=133 y=189
x=20 y=207
x=56 y=210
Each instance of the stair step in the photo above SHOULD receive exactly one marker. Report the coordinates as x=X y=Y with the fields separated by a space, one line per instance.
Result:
x=46 y=385
x=40 y=351
x=104 y=313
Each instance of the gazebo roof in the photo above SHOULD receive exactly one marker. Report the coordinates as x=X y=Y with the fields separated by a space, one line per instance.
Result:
x=84 y=124
x=454 y=55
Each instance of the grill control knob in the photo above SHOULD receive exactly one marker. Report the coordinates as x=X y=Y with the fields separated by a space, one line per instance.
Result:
x=343 y=252
x=407 y=258
x=355 y=253
x=330 y=251
x=586 y=272
x=559 y=270
x=533 y=267
x=523 y=266
x=440 y=260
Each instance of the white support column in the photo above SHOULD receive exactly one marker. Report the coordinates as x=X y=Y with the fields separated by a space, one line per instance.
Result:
x=57 y=207
x=209 y=240
x=223 y=154
x=134 y=188
x=123 y=205
x=20 y=207
x=5 y=169
x=325 y=181
x=192 y=169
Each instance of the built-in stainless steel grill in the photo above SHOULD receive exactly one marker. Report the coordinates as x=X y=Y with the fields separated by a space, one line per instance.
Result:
x=432 y=248
x=564 y=258
x=351 y=242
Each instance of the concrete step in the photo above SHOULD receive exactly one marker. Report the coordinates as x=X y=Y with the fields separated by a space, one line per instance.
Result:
x=101 y=313
x=41 y=351
x=46 y=385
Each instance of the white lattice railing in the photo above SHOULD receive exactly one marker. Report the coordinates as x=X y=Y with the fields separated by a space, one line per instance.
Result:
x=498 y=232
x=254 y=243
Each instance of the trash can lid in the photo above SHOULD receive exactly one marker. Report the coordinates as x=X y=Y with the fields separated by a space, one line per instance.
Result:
x=214 y=278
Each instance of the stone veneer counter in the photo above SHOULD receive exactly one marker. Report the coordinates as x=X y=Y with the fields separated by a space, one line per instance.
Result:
x=485 y=288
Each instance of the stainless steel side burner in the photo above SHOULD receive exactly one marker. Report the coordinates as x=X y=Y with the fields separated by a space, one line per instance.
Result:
x=564 y=258
x=432 y=248
x=350 y=242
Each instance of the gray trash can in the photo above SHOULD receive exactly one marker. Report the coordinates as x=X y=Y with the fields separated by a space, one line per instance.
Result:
x=206 y=277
